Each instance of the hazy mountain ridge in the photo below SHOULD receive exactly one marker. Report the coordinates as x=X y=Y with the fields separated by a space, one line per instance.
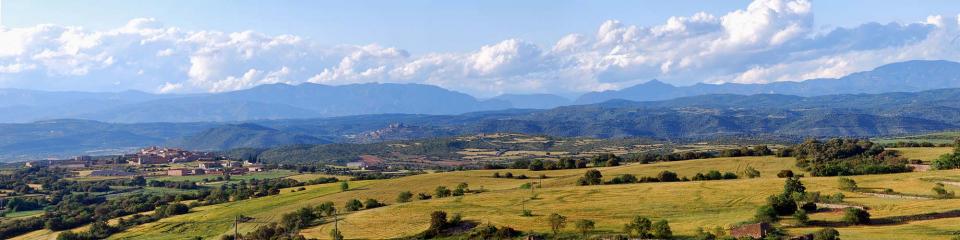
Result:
x=697 y=117
x=307 y=101
x=909 y=76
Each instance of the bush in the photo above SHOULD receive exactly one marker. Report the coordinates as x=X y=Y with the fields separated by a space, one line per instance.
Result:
x=856 y=216
x=785 y=174
x=441 y=192
x=942 y=192
x=404 y=196
x=667 y=176
x=782 y=204
x=661 y=230
x=372 y=203
x=496 y=175
x=847 y=184
x=591 y=177
x=585 y=226
x=423 y=196
x=801 y=217
x=353 y=205
x=766 y=214
x=751 y=172
x=826 y=234
x=809 y=207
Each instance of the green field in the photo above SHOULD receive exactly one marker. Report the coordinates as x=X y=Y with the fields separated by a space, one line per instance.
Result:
x=926 y=154
x=936 y=138
x=687 y=205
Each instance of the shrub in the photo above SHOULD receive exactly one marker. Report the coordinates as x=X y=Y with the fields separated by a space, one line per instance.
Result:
x=404 y=196
x=353 y=205
x=785 y=174
x=591 y=177
x=372 y=203
x=441 y=192
x=496 y=175
x=942 y=192
x=751 y=172
x=508 y=175
x=423 y=196
x=766 y=214
x=667 y=176
x=783 y=204
x=557 y=222
x=847 y=184
x=585 y=226
x=856 y=216
x=661 y=230
x=809 y=207
x=640 y=225
x=801 y=217
x=826 y=234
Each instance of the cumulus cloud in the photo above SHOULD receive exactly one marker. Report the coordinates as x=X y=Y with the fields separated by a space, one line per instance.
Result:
x=768 y=40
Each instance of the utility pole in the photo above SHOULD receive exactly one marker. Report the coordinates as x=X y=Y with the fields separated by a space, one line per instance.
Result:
x=236 y=228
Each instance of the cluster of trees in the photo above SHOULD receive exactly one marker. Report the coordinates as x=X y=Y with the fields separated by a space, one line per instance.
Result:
x=100 y=229
x=509 y=175
x=249 y=189
x=842 y=157
x=443 y=191
x=902 y=144
x=173 y=184
x=714 y=175
x=667 y=156
x=950 y=160
x=356 y=205
x=594 y=177
x=793 y=201
x=73 y=210
x=570 y=163
x=640 y=226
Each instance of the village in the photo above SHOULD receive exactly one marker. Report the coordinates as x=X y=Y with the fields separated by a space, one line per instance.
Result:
x=152 y=161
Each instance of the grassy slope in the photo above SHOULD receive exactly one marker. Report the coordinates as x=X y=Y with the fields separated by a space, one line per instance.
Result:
x=686 y=204
x=925 y=154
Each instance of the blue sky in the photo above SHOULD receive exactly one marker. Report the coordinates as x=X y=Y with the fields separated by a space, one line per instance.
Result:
x=429 y=25
x=483 y=48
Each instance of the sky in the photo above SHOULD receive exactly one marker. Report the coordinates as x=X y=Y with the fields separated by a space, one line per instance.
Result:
x=484 y=48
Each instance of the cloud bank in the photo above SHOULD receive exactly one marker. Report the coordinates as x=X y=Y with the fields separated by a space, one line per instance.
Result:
x=769 y=40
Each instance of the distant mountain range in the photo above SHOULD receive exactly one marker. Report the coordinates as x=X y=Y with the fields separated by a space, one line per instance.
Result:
x=910 y=76
x=687 y=118
x=307 y=101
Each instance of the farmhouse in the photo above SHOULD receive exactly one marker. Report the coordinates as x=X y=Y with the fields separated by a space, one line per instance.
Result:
x=210 y=165
x=756 y=231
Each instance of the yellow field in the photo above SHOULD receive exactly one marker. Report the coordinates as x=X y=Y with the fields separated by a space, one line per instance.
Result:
x=924 y=153
x=687 y=205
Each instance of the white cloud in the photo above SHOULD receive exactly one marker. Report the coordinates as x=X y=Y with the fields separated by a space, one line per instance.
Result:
x=769 y=40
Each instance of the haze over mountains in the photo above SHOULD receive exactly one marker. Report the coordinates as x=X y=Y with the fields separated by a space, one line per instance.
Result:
x=878 y=102
x=281 y=101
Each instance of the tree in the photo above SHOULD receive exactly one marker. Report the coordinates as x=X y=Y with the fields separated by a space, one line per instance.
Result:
x=783 y=204
x=326 y=209
x=766 y=214
x=438 y=220
x=661 y=229
x=441 y=192
x=856 y=216
x=344 y=186
x=751 y=172
x=785 y=174
x=585 y=226
x=404 y=196
x=557 y=222
x=847 y=184
x=793 y=185
x=353 y=205
x=826 y=234
x=667 y=176
x=372 y=203
x=536 y=165
x=591 y=177
x=463 y=187
x=640 y=225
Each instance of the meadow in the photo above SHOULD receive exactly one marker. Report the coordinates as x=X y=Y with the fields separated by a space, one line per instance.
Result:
x=687 y=205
